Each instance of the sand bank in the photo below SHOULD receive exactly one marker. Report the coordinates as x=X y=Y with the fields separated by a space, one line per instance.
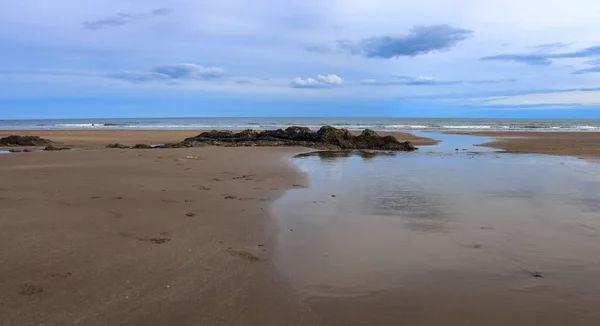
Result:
x=580 y=144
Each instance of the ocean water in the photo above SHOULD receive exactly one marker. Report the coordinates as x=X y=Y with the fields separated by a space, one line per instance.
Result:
x=383 y=124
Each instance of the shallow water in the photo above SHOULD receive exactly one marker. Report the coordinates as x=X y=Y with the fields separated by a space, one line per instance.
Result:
x=4 y=151
x=445 y=236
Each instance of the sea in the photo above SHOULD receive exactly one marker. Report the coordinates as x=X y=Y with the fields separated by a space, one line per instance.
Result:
x=381 y=124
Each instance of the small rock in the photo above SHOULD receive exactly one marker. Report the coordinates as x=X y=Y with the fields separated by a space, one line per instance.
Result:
x=51 y=148
x=116 y=145
x=536 y=274
x=24 y=141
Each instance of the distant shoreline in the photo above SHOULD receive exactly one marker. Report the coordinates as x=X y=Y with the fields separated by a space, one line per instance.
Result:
x=377 y=124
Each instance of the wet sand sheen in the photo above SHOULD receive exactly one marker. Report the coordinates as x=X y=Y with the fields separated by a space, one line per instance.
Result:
x=582 y=144
x=465 y=239
x=143 y=237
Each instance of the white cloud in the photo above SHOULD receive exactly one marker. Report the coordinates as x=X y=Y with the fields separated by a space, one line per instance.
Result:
x=171 y=73
x=189 y=71
x=321 y=81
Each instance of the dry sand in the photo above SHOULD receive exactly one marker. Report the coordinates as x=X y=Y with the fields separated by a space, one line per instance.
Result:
x=580 y=144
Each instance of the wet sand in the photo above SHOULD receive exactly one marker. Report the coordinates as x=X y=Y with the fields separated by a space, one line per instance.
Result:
x=580 y=144
x=187 y=236
x=89 y=139
x=448 y=239
x=144 y=237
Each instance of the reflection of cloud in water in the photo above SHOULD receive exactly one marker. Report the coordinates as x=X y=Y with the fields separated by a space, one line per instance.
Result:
x=587 y=196
x=425 y=212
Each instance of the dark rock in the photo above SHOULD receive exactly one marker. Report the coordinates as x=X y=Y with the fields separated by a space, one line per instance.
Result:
x=116 y=145
x=246 y=134
x=536 y=274
x=325 y=138
x=51 y=148
x=14 y=150
x=175 y=145
x=24 y=141
x=142 y=146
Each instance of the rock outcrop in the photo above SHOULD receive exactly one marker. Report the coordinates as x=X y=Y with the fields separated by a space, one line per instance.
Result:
x=117 y=145
x=52 y=148
x=24 y=141
x=325 y=138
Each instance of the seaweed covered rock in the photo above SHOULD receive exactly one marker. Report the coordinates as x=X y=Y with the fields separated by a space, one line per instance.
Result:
x=326 y=137
x=117 y=145
x=51 y=148
x=24 y=141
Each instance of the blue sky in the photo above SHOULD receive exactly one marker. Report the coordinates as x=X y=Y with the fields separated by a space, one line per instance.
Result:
x=447 y=58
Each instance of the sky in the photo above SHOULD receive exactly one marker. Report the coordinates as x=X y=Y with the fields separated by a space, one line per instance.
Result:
x=376 y=58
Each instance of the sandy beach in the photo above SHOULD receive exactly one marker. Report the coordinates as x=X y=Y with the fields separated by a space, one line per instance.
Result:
x=580 y=144
x=98 y=236
x=143 y=237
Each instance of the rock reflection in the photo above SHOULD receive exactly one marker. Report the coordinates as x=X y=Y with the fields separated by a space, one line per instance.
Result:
x=337 y=155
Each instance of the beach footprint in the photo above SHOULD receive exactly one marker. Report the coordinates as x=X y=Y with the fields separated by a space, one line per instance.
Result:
x=243 y=255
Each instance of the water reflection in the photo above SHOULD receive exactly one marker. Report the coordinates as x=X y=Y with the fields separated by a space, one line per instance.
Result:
x=335 y=155
x=372 y=221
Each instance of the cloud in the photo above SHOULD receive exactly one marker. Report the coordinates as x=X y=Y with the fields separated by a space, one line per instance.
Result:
x=550 y=46
x=530 y=59
x=592 y=51
x=495 y=95
x=319 y=48
x=587 y=70
x=429 y=81
x=492 y=81
x=122 y=19
x=419 y=41
x=139 y=77
x=189 y=71
x=172 y=73
x=545 y=59
x=322 y=81
x=565 y=98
